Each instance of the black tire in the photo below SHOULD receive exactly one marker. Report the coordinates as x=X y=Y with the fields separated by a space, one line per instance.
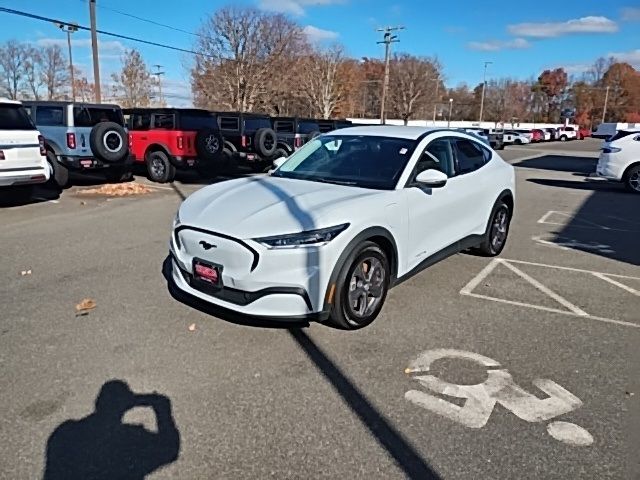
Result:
x=265 y=142
x=518 y=141
x=632 y=179
x=495 y=237
x=60 y=175
x=109 y=142
x=343 y=313
x=159 y=167
x=563 y=138
x=209 y=145
x=118 y=174
x=280 y=152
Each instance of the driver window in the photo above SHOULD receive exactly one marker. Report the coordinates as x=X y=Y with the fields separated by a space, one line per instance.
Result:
x=438 y=156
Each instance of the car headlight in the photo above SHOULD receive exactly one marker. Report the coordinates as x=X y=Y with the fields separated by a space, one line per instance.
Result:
x=310 y=237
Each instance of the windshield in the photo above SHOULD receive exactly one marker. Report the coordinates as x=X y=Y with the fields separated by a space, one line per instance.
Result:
x=91 y=116
x=197 y=121
x=14 y=117
x=362 y=161
x=256 y=123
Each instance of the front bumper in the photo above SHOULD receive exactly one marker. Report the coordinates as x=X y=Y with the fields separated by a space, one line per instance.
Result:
x=259 y=282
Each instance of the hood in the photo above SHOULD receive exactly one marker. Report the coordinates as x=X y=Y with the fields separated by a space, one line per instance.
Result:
x=263 y=206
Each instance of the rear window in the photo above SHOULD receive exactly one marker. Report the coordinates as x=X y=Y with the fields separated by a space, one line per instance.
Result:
x=621 y=134
x=308 y=127
x=325 y=127
x=284 y=126
x=14 y=117
x=91 y=116
x=256 y=123
x=229 y=123
x=195 y=121
x=49 y=116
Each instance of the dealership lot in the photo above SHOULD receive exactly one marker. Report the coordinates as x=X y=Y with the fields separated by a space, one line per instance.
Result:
x=520 y=367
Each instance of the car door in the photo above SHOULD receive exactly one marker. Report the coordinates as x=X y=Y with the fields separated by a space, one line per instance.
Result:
x=471 y=185
x=434 y=214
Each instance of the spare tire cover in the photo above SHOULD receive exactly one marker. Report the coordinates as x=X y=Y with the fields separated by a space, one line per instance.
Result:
x=109 y=141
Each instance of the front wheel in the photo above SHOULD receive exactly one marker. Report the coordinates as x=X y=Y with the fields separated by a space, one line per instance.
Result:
x=361 y=288
x=632 y=180
x=495 y=238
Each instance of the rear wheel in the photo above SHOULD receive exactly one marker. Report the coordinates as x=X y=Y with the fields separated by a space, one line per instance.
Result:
x=518 y=141
x=361 y=288
x=159 y=167
x=495 y=238
x=632 y=179
x=563 y=138
x=60 y=174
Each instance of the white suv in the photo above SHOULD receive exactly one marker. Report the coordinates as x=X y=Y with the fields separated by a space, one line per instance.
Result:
x=22 y=150
x=620 y=159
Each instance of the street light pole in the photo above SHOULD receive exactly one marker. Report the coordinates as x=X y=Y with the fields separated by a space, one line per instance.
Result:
x=450 y=109
x=388 y=39
x=606 y=100
x=158 y=73
x=69 y=29
x=484 y=85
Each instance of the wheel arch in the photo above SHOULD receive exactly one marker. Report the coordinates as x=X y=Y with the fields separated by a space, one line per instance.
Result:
x=156 y=147
x=284 y=146
x=628 y=169
x=507 y=197
x=52 y=146
x=230 y=146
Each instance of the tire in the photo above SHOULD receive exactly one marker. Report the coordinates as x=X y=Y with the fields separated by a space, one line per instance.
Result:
x=518 y=141
x=563 y=138
x=60 y=176
x=265 y=142
x=495 y=237
x=344 y=313
x=118 y=174
x=209 y=144
x=109 y=142
x=159 y=167
x=632 y=179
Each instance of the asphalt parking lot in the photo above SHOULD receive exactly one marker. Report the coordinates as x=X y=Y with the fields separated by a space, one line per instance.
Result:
x=554 y=322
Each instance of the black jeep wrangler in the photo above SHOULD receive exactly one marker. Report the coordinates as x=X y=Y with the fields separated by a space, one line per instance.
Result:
x=249 y=139
x=294 y=132
x=330 y=125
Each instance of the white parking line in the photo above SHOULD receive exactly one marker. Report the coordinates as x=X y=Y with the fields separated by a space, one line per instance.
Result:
x=585 y=223
x=572 y=309
x=565 y=243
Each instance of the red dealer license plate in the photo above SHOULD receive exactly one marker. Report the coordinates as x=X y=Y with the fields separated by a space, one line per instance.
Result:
x=206 y=272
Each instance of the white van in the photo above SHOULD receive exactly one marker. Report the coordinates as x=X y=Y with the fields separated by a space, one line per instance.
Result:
x=23 y=161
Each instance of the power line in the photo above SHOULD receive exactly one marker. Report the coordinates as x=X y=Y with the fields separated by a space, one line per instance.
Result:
x=101 y=32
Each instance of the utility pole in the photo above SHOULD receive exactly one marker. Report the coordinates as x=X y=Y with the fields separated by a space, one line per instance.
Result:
x=70 y=29
x=484 y=85
x=388 y=39
x=94 y=48
x=158 y=73
x=606 y=100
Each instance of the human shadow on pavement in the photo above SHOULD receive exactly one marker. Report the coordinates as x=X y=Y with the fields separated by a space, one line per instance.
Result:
x=560 y=163
x=397 y=446
x=100 y=446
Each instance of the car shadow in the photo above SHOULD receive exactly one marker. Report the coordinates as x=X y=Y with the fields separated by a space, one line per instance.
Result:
x=560 y=163
x=102 y=446
x=14 y=197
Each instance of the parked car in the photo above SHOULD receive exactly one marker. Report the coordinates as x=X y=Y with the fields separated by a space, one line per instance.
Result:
x=496 y=138
x=346 y=217
x=249 y=139
x=583 y=133
x=479 y=134
x=515 y=138
x=553 y=134
x=620 y=159
x=325 y=126
x=546 y=135
x=295 y=132
x=537 y=135
x=23 y=160
x=567 y=133
x=167 y=139
x=525 y=133
x=82 y=137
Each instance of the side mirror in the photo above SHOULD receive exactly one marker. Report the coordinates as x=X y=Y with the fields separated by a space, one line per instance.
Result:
x=432 y=178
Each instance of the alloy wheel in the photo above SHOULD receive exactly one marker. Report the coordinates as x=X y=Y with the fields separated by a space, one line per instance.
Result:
x=157 y=167
x=499 y=228
x=634 y=180
x=366 y=287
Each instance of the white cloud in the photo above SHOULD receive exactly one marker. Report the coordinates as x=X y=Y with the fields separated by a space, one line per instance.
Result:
x=315 y=34
x=108 y=46
x=495 y=45
x=292 y=7
x=555 y=29
x=630 y=14
x=575 y=68
x=632 y=57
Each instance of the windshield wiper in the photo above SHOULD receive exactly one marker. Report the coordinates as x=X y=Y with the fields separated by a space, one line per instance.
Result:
x=336 y=182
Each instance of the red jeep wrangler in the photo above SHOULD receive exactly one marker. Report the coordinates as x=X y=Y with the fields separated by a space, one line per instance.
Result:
x=165 y=139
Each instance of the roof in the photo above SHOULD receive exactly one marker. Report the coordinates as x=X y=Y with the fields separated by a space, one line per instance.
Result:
x=396 y=131
x=8 y=100
x=244 y=114
x=66 y=102
x=165 y=110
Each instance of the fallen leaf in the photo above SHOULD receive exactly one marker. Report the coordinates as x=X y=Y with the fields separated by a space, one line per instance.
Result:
x=85 y=306
x=118 y=190
x=192 y=327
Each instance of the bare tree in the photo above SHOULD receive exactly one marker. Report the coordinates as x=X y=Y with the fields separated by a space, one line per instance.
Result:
x=33 y=71
x=133 y=85
x=321 y=80
x=12 y=57
x=242 y=52
x=55 y=72
x=412 y=84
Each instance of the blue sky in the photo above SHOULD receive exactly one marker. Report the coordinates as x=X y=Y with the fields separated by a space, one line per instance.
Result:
x=520 y=38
